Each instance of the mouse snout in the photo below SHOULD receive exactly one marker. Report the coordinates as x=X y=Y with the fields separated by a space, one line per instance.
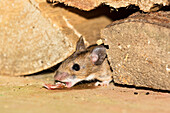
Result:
x=60 y=76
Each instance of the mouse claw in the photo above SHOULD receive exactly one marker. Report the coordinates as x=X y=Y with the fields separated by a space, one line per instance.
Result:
x=104 y=83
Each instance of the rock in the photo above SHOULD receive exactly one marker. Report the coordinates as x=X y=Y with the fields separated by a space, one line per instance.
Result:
x=139 y=50
x=36 y=36
x=30 y=42
x=145 y=5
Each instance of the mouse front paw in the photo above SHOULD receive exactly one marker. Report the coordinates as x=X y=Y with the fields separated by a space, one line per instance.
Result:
x=103 y=83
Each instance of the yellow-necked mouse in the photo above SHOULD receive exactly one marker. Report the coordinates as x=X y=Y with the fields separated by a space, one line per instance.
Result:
x=85 y=64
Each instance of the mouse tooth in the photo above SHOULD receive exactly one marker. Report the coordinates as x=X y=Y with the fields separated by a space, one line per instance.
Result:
x=63 y=84
x=57 y=83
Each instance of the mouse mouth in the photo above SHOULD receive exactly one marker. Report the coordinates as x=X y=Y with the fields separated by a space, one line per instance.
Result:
x=66 y=84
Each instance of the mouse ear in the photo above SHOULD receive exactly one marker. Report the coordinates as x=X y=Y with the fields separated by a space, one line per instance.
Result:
x=80 y=45
x=98 y=55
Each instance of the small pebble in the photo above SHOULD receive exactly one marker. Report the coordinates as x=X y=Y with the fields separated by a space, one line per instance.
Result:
x=147 y=93
x=135 y=93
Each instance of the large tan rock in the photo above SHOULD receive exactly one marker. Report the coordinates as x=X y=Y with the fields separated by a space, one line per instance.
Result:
x=35 y=36
x=139 y=50
x=145 y=5
x=29 y=42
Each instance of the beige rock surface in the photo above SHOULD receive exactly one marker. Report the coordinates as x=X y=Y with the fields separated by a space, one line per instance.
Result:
x=36 y=36
x=87 y=5
x=29 y=42
x=139 y=50
x=26 y=95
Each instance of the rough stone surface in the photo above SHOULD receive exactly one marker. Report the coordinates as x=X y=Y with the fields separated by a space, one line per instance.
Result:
x=145 y=5
x=26 y=95
x=36 y=36
x=29 y=42
x=139 y=50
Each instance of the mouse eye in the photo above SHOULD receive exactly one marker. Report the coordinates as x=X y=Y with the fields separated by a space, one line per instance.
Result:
x=76 y=67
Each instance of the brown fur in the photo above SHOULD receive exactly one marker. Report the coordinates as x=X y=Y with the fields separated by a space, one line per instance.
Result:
x=87 y=66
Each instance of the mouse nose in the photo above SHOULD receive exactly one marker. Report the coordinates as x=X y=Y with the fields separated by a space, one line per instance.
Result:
x=60 y=75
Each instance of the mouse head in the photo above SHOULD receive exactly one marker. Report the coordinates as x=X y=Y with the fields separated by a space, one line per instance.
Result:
x=81 y=65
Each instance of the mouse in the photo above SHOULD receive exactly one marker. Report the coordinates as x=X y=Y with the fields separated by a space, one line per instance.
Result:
x=86 y=63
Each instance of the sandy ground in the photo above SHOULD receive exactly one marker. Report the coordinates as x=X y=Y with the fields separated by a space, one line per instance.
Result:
x=25 y=95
